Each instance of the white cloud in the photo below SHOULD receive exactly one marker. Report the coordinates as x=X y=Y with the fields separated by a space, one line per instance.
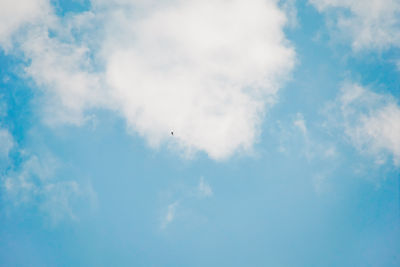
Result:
x=204 y=188
x=59 y=64
x=370 y=24
x=164 y=67
x=15 y=14
x=63 y=71
x=371 y=121
x=208 y=80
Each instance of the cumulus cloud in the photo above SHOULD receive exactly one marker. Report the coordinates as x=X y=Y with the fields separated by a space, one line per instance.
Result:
x=208 y=80
x=207 y=70
x=371 y=121
x=370 y=24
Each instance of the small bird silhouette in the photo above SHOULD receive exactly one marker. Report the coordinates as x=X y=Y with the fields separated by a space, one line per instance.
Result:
x=172 y=133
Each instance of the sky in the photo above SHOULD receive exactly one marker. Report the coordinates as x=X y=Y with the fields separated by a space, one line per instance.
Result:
x=286 y=133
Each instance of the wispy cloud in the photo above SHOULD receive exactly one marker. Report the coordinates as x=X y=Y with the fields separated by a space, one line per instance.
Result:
x=204 y=188
x=301 y=123
x=169 y=215
x=6 y=143
x=370 y=120
x=320 y=182
x=35 y=184
x=369 y=25
x=181 y=199
x=312 y=146
x=30 y=180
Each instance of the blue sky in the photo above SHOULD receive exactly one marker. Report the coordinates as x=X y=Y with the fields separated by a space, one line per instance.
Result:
x=286 y=145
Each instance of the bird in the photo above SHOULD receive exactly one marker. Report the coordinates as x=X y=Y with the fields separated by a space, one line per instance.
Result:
x=172 y=133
